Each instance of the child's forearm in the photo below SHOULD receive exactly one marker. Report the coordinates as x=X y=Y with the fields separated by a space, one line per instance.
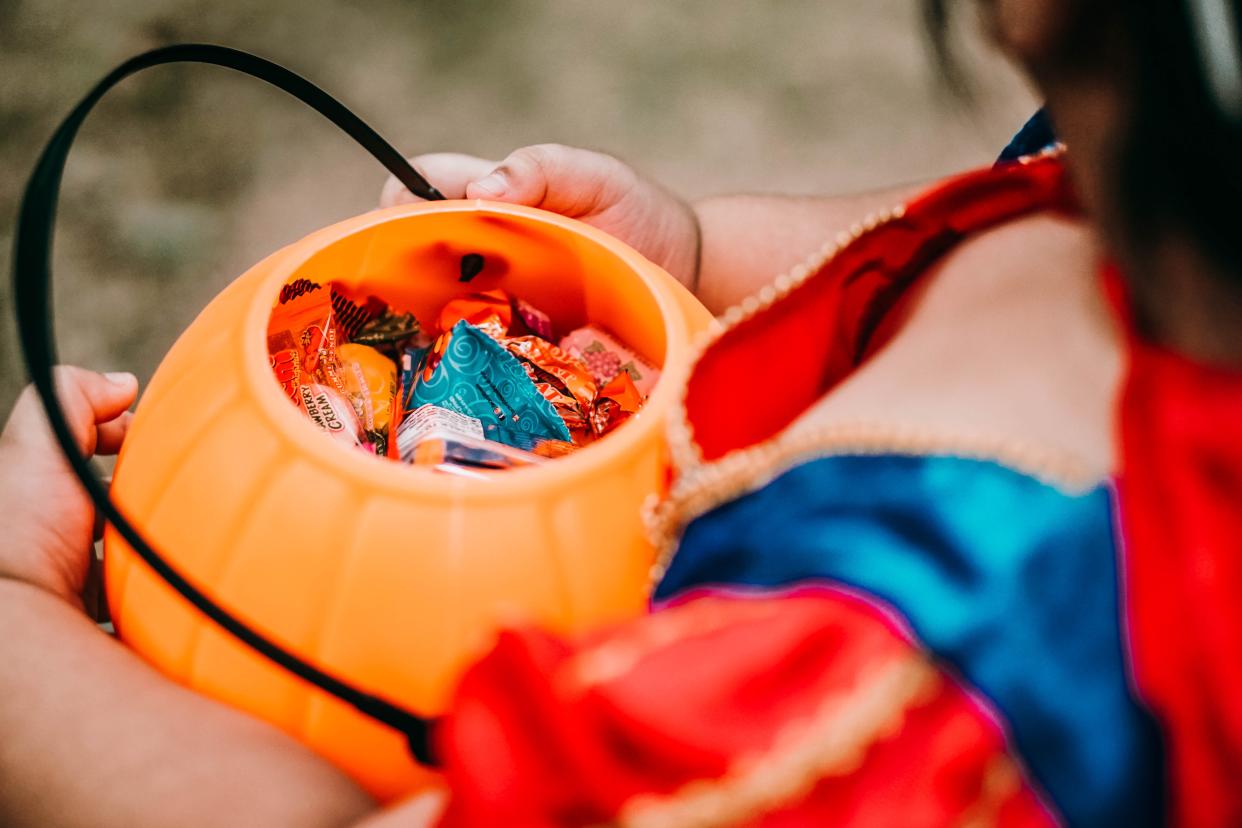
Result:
x=747 y=241
x=91 y=736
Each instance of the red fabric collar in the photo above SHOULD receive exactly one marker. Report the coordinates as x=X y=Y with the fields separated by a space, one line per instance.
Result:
x=788 y=355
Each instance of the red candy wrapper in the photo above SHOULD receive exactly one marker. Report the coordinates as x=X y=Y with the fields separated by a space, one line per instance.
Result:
x=286 y=360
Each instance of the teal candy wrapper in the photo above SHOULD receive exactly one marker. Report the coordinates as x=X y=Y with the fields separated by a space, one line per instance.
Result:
x=411 y=362
x=469 y=372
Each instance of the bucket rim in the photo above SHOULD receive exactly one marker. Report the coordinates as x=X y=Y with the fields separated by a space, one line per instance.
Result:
x=403 y=479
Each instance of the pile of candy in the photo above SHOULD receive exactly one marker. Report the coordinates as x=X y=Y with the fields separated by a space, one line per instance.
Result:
x=487 y=389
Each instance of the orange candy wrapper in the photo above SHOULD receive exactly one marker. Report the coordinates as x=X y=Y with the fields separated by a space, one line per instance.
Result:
x=490 y=312
x=617 y=401
x=305 y=352
x=562 y=380
x=302 y=337
x=497 y=314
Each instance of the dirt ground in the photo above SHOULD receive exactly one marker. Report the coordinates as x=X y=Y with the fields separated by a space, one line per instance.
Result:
x=185 y=177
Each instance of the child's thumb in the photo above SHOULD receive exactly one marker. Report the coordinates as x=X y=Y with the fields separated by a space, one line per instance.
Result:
x=566 y=180
x=88 y=399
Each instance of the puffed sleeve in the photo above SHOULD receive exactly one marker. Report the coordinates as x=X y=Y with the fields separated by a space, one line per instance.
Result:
x=804 y=709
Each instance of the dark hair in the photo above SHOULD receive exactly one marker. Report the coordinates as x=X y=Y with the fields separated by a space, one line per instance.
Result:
x=1180 y=164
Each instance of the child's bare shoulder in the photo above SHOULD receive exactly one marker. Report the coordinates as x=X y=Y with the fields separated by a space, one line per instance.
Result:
x=1007 y=342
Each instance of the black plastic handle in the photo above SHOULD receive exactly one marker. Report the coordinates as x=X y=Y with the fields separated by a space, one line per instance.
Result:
x=32 y=281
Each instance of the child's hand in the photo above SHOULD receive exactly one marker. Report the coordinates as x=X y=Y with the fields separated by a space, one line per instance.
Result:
x=595 y=188
x=47 y=522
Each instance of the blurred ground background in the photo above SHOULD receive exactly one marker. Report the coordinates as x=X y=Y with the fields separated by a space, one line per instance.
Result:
x=187 y=175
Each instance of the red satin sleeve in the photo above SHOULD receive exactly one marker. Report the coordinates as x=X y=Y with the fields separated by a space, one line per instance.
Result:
x=1181 y=498
x=802 y=710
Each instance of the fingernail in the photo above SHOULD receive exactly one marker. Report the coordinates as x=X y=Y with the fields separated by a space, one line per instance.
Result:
x=492 y=185
x=123 y=378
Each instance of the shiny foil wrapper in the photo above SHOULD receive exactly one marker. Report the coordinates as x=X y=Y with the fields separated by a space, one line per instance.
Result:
x=617 y=401
x=562 y=380
x=490 y=312
x=388 y=329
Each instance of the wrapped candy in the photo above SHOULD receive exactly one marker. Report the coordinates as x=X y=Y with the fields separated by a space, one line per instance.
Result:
x=286 y=361
x=389 y=331
x=540 y=446
x=536 y=321
x=427 y=419
x=562 y=380
x=296 y=288
x=497 y=314
x=469 y=372
x=303 y=347
x=606 y=357
x=617 y=401
x=371 y=381
x=302 y=337
x=490 y=312
x=332 y=413
x=493 y=391
x=437 y=437
x=351 y=316
x=411 y=361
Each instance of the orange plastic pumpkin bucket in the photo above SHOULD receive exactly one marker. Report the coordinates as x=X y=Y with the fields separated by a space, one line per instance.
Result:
x=390 y=577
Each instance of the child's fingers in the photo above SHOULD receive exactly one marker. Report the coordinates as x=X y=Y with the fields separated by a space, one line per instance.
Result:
x=110 y=435
x=87 y=398
x=450 y=172
x=573 y=182
x=90 y=398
